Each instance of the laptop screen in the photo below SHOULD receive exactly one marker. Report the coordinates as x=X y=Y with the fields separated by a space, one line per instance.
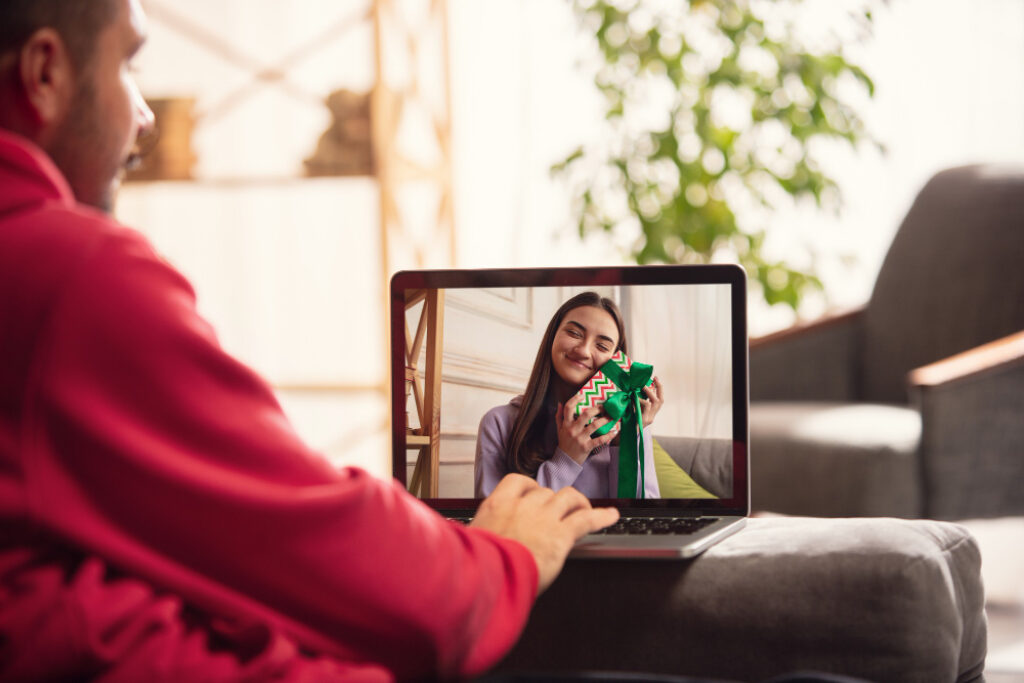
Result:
x=485 y=361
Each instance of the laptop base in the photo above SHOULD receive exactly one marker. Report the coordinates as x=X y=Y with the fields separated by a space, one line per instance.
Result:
x=656 y=547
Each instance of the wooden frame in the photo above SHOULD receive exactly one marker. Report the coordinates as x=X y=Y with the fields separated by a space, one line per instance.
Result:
x=427 y=394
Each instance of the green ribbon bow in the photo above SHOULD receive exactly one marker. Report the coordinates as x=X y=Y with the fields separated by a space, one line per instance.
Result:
x=625 y=405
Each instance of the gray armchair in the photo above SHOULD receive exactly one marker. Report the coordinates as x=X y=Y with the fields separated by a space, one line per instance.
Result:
x=913 y=405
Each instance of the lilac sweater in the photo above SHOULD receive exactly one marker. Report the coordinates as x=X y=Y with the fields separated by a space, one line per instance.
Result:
x=597 y=477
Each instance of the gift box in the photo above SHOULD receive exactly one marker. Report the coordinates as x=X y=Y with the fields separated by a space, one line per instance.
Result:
x=601 y=386
x=617 y=387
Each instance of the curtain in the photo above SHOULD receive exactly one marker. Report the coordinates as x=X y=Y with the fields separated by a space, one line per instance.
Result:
x=684 y=331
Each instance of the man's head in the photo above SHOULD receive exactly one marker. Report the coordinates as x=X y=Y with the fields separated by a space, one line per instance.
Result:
x=66 y=84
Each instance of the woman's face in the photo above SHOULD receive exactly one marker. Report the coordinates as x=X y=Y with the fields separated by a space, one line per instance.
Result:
x=584 y=341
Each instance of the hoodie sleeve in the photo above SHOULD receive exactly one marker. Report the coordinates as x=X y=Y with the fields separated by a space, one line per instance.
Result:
x=151 y=447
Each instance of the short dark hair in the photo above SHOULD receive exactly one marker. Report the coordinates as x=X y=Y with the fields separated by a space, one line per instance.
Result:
x=79 y=23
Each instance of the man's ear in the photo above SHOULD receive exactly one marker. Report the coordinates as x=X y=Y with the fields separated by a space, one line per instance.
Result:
x=47 y=77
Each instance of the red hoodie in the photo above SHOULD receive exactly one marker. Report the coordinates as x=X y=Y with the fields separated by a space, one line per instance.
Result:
x=131 y=443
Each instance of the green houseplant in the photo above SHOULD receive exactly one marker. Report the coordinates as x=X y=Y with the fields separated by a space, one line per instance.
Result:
x=713 y=109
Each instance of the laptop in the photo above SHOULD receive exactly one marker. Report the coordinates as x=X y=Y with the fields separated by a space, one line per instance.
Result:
x=465 y=345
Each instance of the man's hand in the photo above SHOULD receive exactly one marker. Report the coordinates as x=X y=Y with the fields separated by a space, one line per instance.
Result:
x=546 y=522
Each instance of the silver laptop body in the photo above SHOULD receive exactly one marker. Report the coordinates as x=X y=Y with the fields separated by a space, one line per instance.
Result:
x=464 y=341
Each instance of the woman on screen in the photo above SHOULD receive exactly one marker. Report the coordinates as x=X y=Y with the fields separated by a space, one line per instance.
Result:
x=538 y=435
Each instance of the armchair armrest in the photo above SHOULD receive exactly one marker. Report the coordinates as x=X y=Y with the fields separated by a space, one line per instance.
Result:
x=972 y=438
x=980 y=359
x=817 y=361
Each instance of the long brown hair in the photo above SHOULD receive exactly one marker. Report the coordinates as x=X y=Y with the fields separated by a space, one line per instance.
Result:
x=526 y=451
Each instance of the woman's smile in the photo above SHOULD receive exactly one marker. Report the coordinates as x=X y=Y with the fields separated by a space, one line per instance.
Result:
x=579 y=363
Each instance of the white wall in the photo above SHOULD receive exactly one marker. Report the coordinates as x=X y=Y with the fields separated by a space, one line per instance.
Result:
x=288 y=271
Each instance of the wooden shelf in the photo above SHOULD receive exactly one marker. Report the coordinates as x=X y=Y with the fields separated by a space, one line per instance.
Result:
x=427 y=438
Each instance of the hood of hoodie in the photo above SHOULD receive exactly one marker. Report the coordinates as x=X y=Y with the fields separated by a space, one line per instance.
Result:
x=28 y=177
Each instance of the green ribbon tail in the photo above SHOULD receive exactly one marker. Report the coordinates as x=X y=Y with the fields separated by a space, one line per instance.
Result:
x=640 y=444
x=627 y=461
x=631 y=453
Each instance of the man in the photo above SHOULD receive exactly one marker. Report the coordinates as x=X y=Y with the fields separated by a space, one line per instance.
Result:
x=159 y=518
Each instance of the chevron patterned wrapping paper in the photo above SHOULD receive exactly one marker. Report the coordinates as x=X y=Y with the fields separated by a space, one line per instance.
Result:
x=598 y=388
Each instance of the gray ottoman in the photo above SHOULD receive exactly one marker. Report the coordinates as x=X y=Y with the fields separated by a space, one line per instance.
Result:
x=881 y=599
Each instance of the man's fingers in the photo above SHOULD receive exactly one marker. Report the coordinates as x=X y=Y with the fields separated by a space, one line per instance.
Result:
x=602 y=517
x=583 y=522
x=513 y=486
x=567 y=500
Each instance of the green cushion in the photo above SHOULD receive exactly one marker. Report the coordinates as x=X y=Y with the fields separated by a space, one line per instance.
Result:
x=673 y=480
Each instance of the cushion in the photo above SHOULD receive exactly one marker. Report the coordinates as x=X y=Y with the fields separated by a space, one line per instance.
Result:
x=880 y=599
x=851 y=459
x=708 y=461
x=673 y=481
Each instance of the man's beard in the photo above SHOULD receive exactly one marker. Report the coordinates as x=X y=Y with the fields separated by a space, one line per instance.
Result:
x=79 y=143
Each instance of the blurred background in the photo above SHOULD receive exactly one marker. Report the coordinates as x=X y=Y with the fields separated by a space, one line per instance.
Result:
x=310 y=149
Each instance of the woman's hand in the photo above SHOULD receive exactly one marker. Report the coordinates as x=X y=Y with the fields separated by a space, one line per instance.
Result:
x=574 y=432
x=650 y=406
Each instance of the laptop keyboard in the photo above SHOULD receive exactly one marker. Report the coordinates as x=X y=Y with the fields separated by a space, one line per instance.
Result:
x=640 y=526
